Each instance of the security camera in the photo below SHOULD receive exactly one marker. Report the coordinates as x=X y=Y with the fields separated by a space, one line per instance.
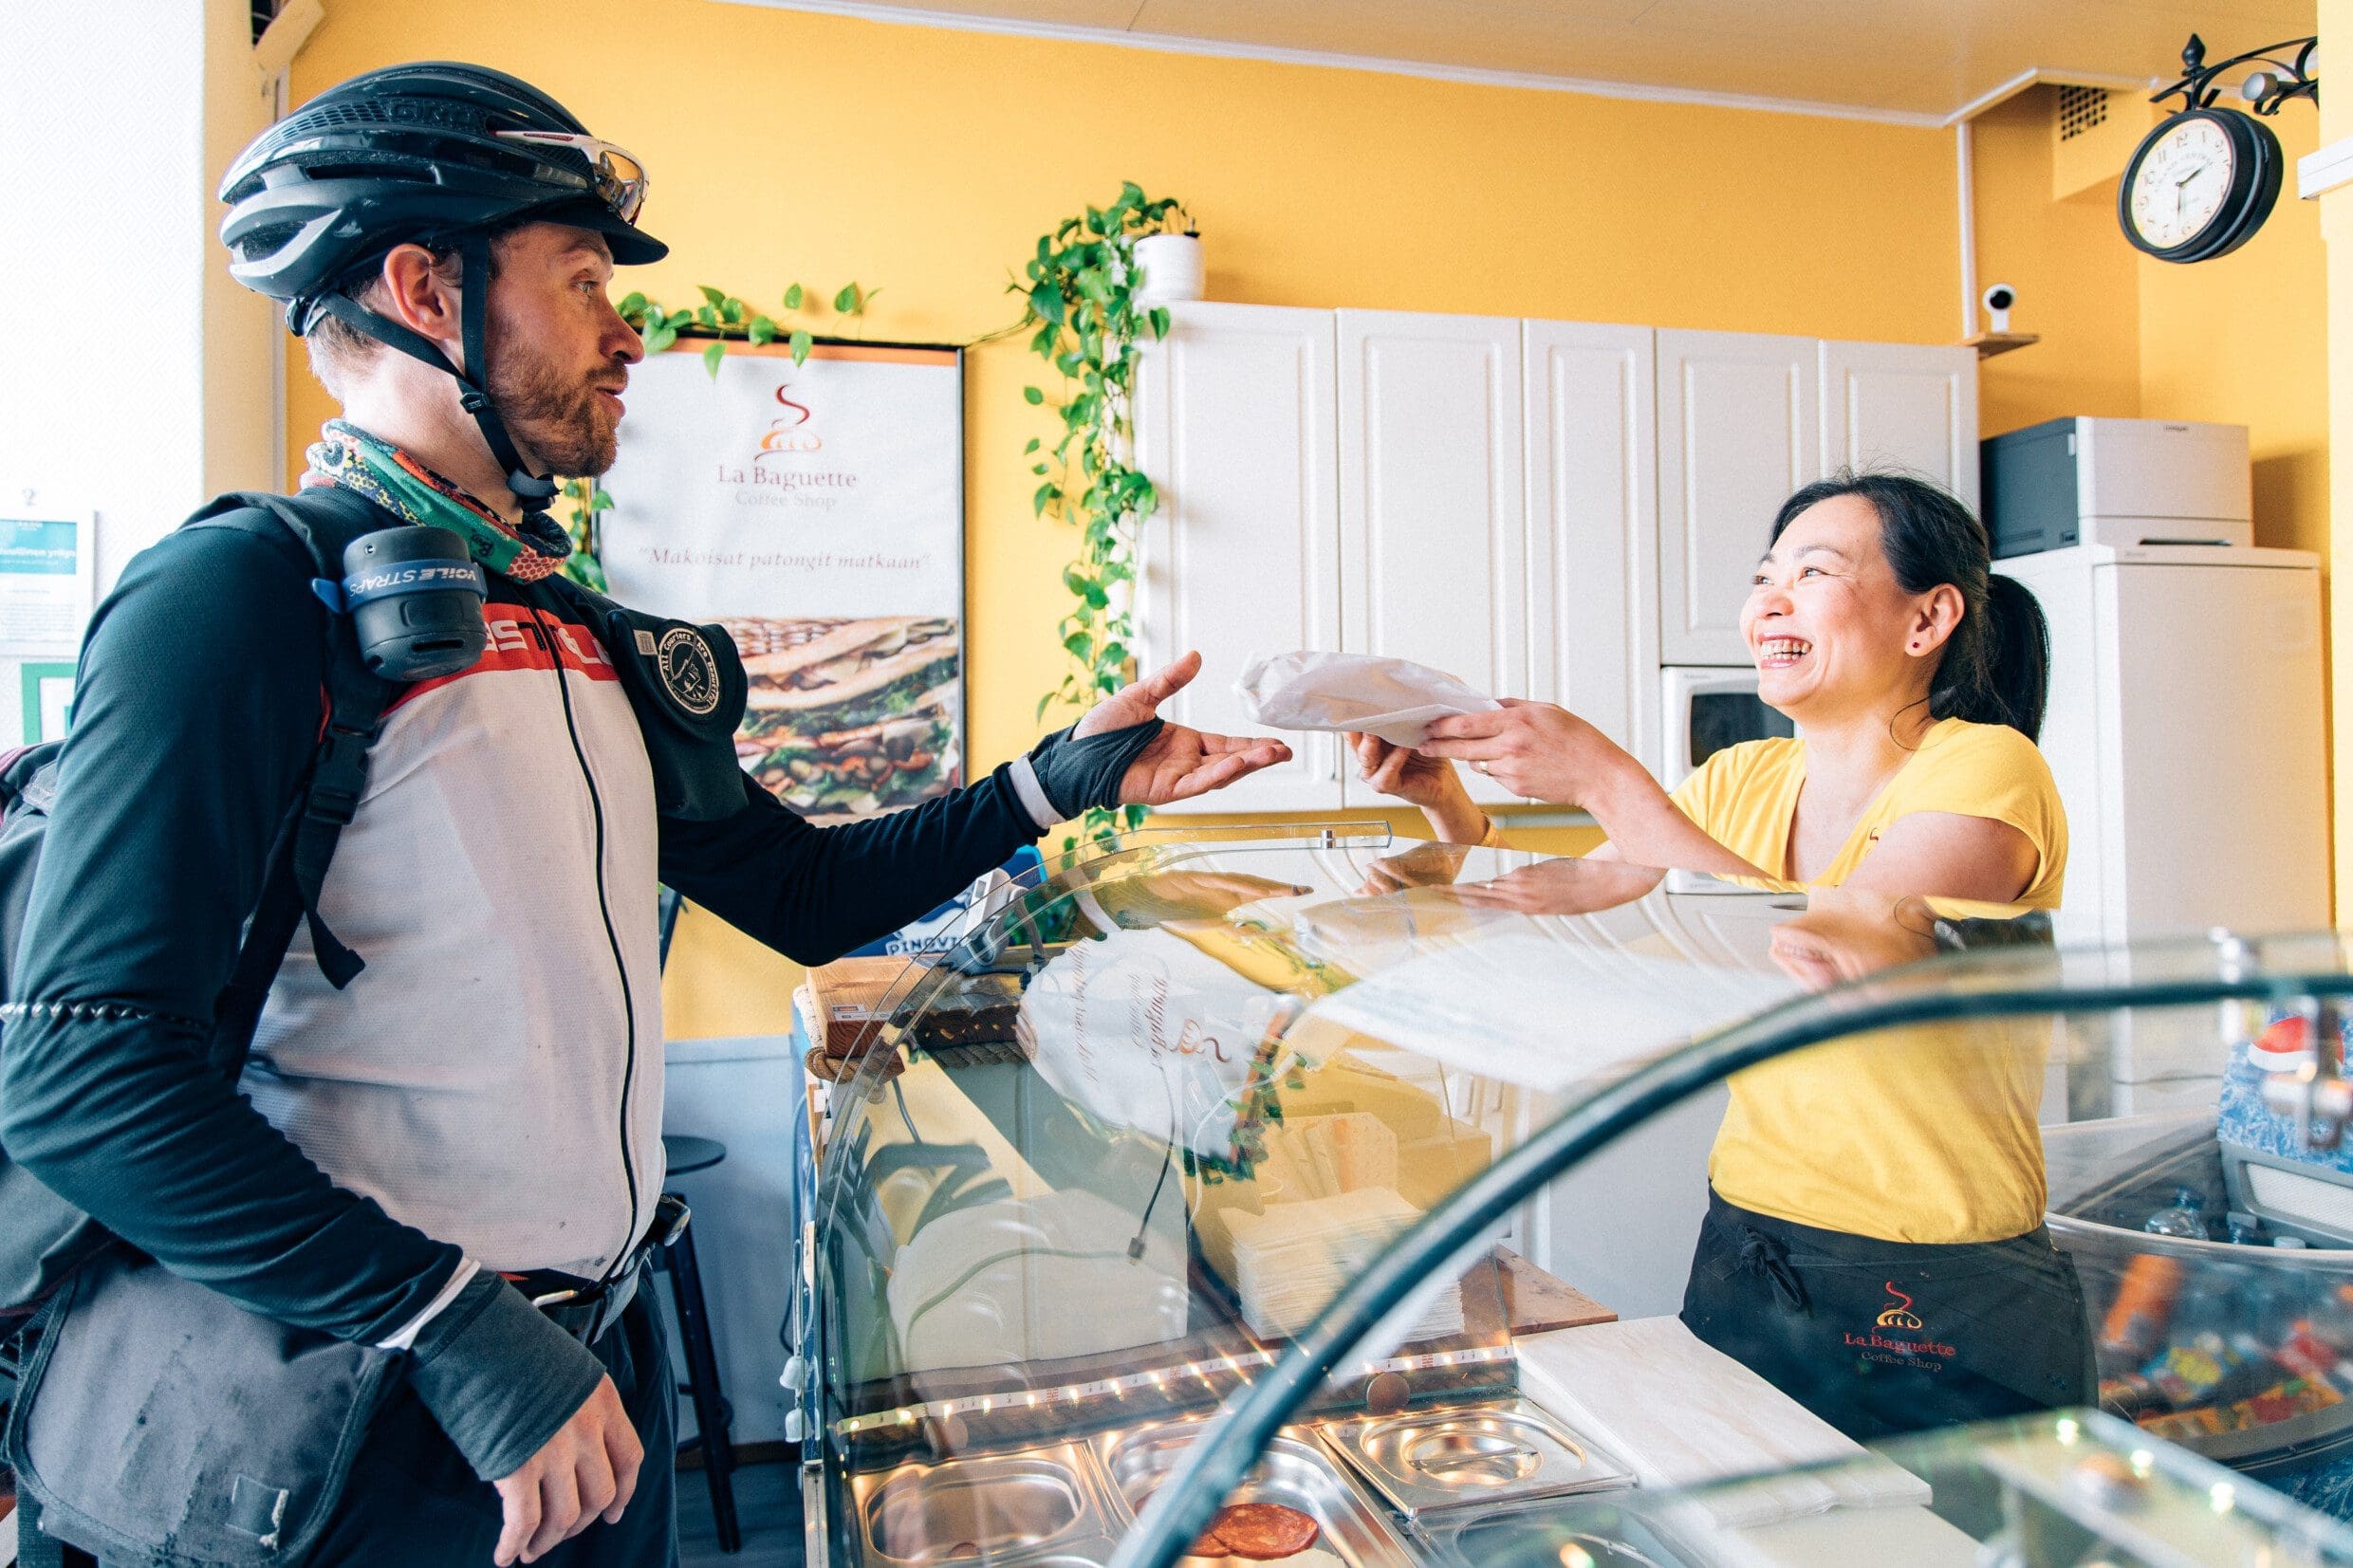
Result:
x=1999 y=298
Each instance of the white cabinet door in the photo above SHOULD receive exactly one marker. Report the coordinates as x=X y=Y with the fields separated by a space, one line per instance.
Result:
x=1233 y=422
x=1593 y=526
x=1903 y=406
x=1738 y=432
x=1434 y=541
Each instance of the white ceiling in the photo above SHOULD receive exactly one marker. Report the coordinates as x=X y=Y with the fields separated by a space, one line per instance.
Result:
x=1907 y=60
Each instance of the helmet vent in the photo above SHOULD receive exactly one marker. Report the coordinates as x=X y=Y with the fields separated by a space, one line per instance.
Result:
x=263 y=241
x=361 y=113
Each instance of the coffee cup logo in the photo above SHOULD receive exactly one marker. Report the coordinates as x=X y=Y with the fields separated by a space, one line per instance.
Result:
x=1898 y=1313
x=784 y=435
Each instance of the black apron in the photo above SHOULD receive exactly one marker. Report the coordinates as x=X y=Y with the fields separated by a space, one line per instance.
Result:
x=1880 y=1339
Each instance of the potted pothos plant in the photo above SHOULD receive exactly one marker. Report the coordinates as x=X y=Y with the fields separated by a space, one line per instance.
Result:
x=1173 y=265
x=1083 y=293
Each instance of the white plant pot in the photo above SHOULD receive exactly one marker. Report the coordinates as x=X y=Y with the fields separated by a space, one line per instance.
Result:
x=1172 y=267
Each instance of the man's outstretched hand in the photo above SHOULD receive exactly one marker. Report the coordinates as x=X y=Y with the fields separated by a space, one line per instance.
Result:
x=1181 y=763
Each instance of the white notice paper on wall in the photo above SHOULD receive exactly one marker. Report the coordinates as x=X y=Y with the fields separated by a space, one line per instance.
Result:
x=46 y=582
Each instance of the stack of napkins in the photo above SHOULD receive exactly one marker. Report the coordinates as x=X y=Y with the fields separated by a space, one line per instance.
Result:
x=1322 y=1156
x=1393 y=698
x=1291 y=1260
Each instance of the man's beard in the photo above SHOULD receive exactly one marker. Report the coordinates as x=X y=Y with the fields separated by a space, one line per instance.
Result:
x=555 y=418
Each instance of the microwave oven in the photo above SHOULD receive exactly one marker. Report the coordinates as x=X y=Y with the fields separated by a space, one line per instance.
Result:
x=1707 y=710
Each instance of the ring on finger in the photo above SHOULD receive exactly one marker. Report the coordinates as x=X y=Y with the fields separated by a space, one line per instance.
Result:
x=1478 y=767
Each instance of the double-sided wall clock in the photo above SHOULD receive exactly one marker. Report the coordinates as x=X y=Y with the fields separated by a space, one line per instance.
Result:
x=2201 y=184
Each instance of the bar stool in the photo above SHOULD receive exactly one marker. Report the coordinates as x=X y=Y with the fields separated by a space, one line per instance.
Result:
x=712 y=1416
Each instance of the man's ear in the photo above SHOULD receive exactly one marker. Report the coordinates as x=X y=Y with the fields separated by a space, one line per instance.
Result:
x=413 y=291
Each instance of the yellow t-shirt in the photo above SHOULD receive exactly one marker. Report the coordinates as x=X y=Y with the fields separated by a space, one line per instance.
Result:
x=1745 y=797
x=1925 y=1134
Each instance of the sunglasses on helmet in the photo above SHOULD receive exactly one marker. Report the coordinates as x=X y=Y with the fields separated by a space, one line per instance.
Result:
x=617 y=176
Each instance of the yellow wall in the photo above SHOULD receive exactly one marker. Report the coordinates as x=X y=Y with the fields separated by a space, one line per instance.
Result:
x=2336 y=215
x=2074 y=273
x=925 y=162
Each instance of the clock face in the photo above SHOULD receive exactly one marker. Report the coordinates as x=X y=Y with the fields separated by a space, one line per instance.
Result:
x=2180 y=187
x=2200 y=185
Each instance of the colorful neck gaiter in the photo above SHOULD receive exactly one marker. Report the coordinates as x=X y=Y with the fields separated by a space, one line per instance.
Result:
x=349 y=456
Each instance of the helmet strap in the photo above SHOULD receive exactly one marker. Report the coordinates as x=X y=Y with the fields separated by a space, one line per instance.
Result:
x=473 y=307
x=530 y=491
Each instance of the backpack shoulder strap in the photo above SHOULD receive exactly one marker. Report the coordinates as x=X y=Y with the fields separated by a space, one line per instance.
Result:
x=322 y=519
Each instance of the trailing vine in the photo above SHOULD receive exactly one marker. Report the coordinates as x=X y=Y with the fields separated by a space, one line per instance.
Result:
x=1080 y=296
x=720 y=317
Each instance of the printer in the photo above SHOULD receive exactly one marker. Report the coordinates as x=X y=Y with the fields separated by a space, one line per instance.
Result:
x=2120 y=482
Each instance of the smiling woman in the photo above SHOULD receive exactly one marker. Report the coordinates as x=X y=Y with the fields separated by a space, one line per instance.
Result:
x=1917 y=681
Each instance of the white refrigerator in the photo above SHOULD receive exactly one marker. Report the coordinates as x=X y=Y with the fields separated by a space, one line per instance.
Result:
x=2186 y=730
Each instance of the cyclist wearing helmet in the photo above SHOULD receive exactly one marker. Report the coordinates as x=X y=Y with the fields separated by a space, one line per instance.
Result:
x=454 y=1094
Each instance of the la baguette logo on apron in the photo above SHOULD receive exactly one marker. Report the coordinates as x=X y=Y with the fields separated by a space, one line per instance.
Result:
x=1898 y=1313
x=1925 y=1354
x=689 y=670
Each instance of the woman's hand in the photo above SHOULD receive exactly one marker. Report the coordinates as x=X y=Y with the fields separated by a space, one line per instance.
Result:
x=1534 y=748
x=1423 y=781
x=1548 y=753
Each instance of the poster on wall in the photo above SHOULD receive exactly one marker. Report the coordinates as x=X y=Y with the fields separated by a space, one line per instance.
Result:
x=47 y=576
x=817 y=512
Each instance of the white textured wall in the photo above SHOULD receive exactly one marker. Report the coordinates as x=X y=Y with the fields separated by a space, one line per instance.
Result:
x=134 y=378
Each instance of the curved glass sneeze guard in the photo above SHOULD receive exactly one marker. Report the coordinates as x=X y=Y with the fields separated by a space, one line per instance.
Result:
x=1045 y=1199
x=1181 y=1180
x=1940 y=1194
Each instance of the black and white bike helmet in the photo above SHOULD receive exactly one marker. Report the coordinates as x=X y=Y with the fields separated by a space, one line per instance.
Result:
x=436 y=152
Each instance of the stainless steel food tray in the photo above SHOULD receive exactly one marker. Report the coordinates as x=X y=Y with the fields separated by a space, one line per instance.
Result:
x=1293 y=1471
x=1493 y=1451
x=1045 y=1507
x=1480 y=1538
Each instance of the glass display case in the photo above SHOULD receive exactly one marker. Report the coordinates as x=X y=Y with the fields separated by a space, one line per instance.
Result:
x=1294 y=1195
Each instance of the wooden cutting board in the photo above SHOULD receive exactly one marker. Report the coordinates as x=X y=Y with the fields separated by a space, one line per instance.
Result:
x=1537 y=1302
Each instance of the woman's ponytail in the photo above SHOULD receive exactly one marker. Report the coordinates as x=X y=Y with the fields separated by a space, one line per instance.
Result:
x=2014 y=674
x=1996 y=665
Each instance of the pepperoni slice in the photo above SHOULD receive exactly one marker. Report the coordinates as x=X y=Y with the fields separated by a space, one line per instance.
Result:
x=1264 y=1531
x=1209 y=1545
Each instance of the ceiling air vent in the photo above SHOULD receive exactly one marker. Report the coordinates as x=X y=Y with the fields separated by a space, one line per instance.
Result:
x=2080 y=108
x=2093 y=131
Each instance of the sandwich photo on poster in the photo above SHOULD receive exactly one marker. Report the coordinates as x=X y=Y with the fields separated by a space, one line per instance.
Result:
x=850 y=717
x=816 y=512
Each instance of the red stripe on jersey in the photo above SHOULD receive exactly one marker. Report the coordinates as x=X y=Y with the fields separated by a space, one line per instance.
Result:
x=519 y=640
